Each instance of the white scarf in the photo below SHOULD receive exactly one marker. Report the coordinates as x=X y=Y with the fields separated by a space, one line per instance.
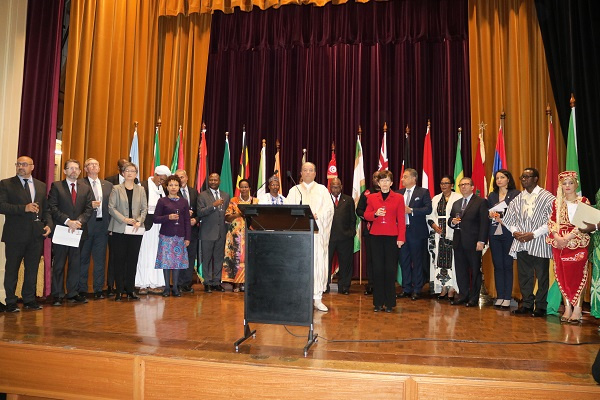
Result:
x=154 y=193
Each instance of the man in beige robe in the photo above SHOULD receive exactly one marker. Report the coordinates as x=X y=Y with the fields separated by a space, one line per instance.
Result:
x=318 y=198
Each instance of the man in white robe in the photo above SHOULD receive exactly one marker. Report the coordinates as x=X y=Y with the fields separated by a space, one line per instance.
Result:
x=318 y=198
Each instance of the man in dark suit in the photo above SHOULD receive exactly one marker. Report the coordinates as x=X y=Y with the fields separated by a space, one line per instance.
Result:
x=212 y=204
x=191 y=195
x=97 y=229
x=70 y=204
x=118 y=179
x=417 y=206
x=341 y=239
x=27 y=223
x=471 y=227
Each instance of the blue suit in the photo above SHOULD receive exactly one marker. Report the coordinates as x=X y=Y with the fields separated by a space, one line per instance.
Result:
x=412 y=253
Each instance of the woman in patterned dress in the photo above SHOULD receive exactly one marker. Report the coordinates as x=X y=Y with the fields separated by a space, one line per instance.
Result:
x=234 y=263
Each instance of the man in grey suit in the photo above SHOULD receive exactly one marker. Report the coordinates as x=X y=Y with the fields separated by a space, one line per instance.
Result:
x=28 y=222
x=212 y=204
x=95 y=245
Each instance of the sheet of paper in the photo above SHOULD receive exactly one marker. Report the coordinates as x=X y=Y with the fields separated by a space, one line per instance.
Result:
x=500 y=207
x=585 y=213
x=66 y=238
x=129 y=230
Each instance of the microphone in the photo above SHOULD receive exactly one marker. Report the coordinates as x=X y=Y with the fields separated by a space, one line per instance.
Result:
x=265 y=182
x=289 y=175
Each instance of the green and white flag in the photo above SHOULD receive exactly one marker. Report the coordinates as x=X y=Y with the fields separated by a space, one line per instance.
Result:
x=358 y=186
x=262 y=170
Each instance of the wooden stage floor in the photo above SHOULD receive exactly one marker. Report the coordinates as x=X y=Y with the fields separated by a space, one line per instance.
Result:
x=183 y=348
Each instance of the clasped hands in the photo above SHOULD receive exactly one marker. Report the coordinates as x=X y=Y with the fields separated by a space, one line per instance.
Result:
x=132 y=222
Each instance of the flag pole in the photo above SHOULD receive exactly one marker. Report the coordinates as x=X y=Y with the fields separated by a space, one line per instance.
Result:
x=360 y=238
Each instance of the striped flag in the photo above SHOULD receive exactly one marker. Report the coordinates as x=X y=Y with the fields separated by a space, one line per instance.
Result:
x=278 y=166
x=459 y=171
x=428 y=182
x=244 y=170
x=226 y=177
x=499 y=157
x=572 y=155
x=479 y=180
x=358 y=186
x=262 y=170
x=383 y=158
x=177 y=153
x=156 y=151
x=134 y=151
x=202 y=172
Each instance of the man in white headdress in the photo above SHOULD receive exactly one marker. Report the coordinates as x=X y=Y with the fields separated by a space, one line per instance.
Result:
x=318 y=198
x=147 y=278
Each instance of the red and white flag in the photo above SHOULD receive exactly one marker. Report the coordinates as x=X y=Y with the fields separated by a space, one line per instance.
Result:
x=428 y=182
x=383 y=159
x=331 y=169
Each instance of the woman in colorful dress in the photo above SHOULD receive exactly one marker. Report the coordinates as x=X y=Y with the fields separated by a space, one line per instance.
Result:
x=569 y=246
x=442 y=269
x=501 y=238
x=172 y=212
x=234 y=264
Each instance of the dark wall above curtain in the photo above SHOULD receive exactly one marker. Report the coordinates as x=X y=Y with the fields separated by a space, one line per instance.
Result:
x=571 y=34
x=310 y=75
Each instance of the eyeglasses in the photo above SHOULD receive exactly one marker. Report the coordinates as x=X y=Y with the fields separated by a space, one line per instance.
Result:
x=526 y=176
x=131 y=171
x=445 y=183
x=22 y=164
x=464 y=184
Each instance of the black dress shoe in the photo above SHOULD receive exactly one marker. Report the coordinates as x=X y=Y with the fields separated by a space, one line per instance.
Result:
x=440 y=297
x=77 y=299
x=12 y=308
x=368 y=291
x=403 y=295
x=2 y=307
x=389 y=309
x=377 y=308
x=57 y=301
x=471 y=304
x=414 y=296
x=32 y=306
x=207 y=289
x=345 y=292
x=538 y=313
x=242 y=288
x=186 y=289
x=118 y=297
x=523 y=310
x=218 y=288
x=110 y=292
x=176 y=294
x=132 y=296
x=98 y=296
x=458 y=302
x=166 y=293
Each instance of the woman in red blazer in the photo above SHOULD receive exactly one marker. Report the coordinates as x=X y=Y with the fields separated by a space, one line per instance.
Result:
x=386 y=210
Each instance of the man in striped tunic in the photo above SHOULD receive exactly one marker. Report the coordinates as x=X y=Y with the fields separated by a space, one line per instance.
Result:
x=527 y=219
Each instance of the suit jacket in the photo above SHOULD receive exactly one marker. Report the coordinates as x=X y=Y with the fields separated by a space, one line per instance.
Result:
x=118 y=207
x=394 y=222
x=19 y=226
x=194 y=207
x=343 y=225
x=473 y=224
x=62 y=208
x=212 y=220
x=420 y=202
x=93 y=224
x=114 y=179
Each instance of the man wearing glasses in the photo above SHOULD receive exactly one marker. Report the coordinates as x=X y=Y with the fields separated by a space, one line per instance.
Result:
x=527 y=219
x=27 y=223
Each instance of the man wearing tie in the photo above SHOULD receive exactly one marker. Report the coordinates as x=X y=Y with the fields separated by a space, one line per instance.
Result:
x=212 y=204
x=27 y=223
x=70 y=205
x=341 y=240
x=417 y=206
x=470 y=223
x=95 y=245
x=191 y=195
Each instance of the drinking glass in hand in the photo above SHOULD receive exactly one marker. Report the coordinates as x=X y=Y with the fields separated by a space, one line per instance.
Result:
x=177 y=220
x=37 y=214
x=383 y=221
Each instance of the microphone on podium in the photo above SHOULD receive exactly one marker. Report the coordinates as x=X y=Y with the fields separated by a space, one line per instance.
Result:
x=289 y=175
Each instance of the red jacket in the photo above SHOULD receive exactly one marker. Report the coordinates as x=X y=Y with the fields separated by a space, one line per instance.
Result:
x=395 y=218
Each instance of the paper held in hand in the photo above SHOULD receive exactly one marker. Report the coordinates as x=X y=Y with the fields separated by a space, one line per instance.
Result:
x=585 y=213
x=66 y=238
x=130 y=231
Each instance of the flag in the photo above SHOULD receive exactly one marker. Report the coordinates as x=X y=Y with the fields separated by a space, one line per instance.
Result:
x=134 y=151
x=383 y=158
x=459 y=172
x=358 y=186
x=479 y=181
x=277 y=168
x=499 y=157
x=262 y=170
x=428 y=182
x=156 y=151
x=244 y=170
x=551 y=162
x=176 y=152
x=303 y=156
x=226 y=177
x=331 y=169
x=180 y=159
x=406 y=158
x=572 y=155
x=202 y=172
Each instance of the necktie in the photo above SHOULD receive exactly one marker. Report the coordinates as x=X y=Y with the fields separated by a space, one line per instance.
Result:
x=185 y=194
x=27 y=186
x=464 y=204
x=98 y=198
x=407 y=196
x=337 y=200
x=73 y=193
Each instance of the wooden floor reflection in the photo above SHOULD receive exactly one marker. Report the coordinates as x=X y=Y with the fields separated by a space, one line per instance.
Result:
x=424 y=337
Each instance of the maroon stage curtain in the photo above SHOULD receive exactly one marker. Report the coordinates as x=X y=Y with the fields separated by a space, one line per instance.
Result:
x=39 y=102
x=310 y=75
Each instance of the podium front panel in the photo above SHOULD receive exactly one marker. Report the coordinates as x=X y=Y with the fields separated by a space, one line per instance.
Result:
x=279 y=278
